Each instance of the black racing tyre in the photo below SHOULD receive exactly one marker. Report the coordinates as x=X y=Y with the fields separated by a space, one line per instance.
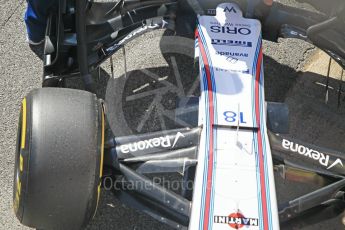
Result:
x=59 y=159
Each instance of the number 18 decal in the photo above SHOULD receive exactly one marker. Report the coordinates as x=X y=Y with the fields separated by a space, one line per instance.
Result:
x=233 y=117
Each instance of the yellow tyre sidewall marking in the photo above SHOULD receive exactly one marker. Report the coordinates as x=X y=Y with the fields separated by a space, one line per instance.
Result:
x=18 y=183
x=23 y=134
x=101 y=161
x=102 y=146
x=21 y=163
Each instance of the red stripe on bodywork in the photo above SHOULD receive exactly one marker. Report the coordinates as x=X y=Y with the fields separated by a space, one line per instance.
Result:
x=211 y=117
x=259 y=136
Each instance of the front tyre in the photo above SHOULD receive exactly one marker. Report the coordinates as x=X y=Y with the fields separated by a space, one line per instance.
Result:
x=59 y=159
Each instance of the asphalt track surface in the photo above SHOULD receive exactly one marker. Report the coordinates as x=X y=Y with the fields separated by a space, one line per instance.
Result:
x=311 y=120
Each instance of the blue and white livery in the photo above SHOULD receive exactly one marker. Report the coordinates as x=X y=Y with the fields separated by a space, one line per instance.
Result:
x=234 y=183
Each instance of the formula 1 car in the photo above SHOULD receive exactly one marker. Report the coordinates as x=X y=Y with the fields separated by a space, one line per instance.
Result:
x=67 y=146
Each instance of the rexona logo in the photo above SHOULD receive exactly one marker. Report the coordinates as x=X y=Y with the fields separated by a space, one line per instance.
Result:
x=236 y=220
x=322 y=158
x=225 y=42
x=157 y=142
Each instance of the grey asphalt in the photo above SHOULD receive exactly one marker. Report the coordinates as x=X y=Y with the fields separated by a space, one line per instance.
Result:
x=311 y=120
